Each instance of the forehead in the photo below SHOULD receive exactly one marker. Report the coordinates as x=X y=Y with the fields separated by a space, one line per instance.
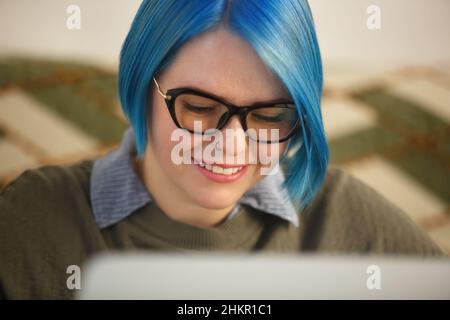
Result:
x=222 y=63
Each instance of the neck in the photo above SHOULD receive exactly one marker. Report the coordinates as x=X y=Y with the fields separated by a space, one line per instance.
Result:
x=175 y=204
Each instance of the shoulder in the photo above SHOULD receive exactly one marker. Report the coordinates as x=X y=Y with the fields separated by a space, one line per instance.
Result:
x=46 y=187
x=46 y=226
x=349 y=215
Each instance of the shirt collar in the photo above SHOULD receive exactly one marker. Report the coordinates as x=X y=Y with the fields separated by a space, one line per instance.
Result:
x=116 y=190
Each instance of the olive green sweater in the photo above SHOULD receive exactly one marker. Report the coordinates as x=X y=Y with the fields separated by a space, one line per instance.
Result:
x=46 y=225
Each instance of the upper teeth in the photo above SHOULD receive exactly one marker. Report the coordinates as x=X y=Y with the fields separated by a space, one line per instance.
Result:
x=220 y=170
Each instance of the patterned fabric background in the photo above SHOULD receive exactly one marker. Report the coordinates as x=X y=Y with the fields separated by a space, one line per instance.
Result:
x=390 y=129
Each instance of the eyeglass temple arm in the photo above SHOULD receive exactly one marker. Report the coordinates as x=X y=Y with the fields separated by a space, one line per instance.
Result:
x=165 y=96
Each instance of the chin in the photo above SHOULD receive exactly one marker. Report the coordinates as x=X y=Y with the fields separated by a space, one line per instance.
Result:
x=214 y=200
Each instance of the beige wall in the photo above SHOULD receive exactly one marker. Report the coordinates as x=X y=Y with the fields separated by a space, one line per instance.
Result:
x=413 y=31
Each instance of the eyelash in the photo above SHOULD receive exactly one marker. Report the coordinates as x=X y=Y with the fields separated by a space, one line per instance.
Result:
x=267 y=118
x=197 y=109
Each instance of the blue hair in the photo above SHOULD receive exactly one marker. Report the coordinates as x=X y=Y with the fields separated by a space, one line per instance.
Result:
x=283 y=35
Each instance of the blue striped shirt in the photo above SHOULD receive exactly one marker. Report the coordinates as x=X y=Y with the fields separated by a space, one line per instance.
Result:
x=117 y=191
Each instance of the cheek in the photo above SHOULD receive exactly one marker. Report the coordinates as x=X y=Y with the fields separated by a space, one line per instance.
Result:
x=269 y=154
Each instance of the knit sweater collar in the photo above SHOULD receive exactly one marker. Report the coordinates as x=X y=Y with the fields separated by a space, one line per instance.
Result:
x=151 y=225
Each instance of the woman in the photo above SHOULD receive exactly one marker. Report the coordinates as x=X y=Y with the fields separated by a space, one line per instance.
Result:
x=191 y=70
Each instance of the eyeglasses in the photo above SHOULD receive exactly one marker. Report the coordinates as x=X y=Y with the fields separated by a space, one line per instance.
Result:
x=187 y=105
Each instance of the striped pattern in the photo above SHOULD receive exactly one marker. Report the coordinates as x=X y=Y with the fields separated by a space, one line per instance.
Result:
x=59 y=137
x=116 y=191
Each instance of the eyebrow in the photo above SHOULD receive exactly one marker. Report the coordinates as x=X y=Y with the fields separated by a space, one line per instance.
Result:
x=268 y=102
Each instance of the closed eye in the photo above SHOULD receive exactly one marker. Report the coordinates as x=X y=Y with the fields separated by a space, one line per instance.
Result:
x=260 y=117
x=198 y=109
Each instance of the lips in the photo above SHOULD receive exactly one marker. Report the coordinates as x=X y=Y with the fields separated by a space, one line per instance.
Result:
x=220 y=169
x=221 y=172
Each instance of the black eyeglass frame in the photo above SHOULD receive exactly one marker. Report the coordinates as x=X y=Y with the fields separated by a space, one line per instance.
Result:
x=241 y=111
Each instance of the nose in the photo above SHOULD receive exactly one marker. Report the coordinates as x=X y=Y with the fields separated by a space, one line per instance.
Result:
x=234 y=140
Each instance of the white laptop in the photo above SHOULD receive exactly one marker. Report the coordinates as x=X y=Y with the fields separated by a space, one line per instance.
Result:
x=262 y=276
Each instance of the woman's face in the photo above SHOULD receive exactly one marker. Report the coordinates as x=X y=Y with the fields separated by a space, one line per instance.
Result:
x=224 y=65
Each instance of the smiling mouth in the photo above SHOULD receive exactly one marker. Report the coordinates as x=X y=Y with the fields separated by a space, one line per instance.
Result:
x=226 y=170
x=220 y=170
